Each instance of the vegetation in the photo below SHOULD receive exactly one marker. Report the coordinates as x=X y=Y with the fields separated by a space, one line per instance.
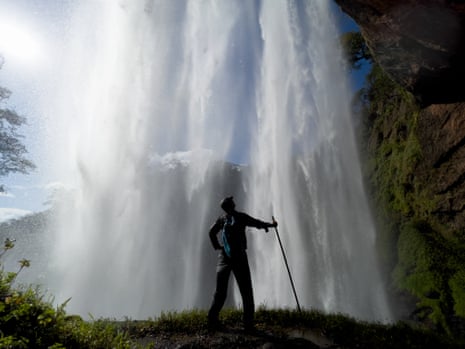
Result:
x=282 y=325
x=29 y=320
x=412 y=243
x=423 y=261
x=356 y=49
x=431 y=268
x=12 y=150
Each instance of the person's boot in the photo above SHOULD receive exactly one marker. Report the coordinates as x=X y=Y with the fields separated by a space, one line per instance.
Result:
x=249 y=328
x=214 y=325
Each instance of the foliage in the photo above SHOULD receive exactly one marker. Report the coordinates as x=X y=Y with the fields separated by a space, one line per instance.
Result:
x=185 y=321
x=12 y=150
x=424 y=263
x=457 y=285
x=420 y=270
x=433 y=269
x=28 y=320
x=356 y=49
x=77 y=333
x=392 y=152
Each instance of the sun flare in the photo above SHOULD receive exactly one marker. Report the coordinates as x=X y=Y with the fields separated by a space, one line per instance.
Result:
x=19 y=43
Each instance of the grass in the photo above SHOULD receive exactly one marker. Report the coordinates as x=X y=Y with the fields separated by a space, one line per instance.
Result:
x=340 y=329
x=28 y=319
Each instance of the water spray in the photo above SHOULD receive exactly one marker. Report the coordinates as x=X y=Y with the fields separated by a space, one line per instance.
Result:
x=287 y=265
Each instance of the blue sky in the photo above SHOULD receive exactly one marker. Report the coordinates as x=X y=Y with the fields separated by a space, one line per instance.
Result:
x=39 y=31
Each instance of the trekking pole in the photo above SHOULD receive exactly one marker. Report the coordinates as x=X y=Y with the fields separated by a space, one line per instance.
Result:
x=287 y=265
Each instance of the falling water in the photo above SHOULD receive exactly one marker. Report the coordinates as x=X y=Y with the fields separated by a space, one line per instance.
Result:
x=307 y=171
x=153 y=98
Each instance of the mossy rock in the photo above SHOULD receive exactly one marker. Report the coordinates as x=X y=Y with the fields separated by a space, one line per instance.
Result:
x=431 y=268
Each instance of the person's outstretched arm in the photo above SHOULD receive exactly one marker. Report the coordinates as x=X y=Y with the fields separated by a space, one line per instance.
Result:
x=256 y=223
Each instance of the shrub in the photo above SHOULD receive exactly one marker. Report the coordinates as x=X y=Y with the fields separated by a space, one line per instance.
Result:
x=29 y=320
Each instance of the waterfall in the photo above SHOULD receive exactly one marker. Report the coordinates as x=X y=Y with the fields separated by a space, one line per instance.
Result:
x=154 y=103
x=307 y=171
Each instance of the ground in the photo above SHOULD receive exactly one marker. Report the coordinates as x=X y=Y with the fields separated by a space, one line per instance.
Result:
x=232 y=337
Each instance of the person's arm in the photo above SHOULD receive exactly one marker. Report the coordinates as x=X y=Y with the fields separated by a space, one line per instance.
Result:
x=213 y=233
x=256 y=223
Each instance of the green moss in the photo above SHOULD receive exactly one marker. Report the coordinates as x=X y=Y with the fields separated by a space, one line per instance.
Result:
x=411 y=241
x=393 y=152
x=395 y=160
x=457 y=286
x=433 y=270
x=422 y=271
x=396 y=151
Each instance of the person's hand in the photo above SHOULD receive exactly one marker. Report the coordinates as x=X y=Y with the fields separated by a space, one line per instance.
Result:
x=274 y=224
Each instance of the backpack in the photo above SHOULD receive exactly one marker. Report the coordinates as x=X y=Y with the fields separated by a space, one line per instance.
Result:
x=226 y=233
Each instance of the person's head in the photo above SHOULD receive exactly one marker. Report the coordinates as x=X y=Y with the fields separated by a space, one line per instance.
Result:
x=228 y=205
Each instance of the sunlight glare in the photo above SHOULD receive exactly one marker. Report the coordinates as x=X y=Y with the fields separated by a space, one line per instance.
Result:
x=19 y=43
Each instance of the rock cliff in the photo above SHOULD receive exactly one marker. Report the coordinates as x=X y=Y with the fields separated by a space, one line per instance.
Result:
x=416 y=142
x=441 y=133
x=419 y=43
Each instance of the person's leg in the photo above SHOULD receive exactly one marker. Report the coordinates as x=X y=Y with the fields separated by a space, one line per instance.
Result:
x=223 y=270
x=241 y=272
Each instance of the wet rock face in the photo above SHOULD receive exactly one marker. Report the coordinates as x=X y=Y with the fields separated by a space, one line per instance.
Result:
x=441 y=133
x=419 y=43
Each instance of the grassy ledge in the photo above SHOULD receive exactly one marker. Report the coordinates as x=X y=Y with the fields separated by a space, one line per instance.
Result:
x=280 y=328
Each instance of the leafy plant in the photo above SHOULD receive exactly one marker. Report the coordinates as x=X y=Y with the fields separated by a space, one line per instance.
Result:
x=356 y=49
x=28 y=320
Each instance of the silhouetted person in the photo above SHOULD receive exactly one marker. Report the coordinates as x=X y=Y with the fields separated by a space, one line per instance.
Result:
x=233 y=257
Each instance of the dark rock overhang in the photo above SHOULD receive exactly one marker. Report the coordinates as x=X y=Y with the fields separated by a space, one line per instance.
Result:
x=419 y=43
